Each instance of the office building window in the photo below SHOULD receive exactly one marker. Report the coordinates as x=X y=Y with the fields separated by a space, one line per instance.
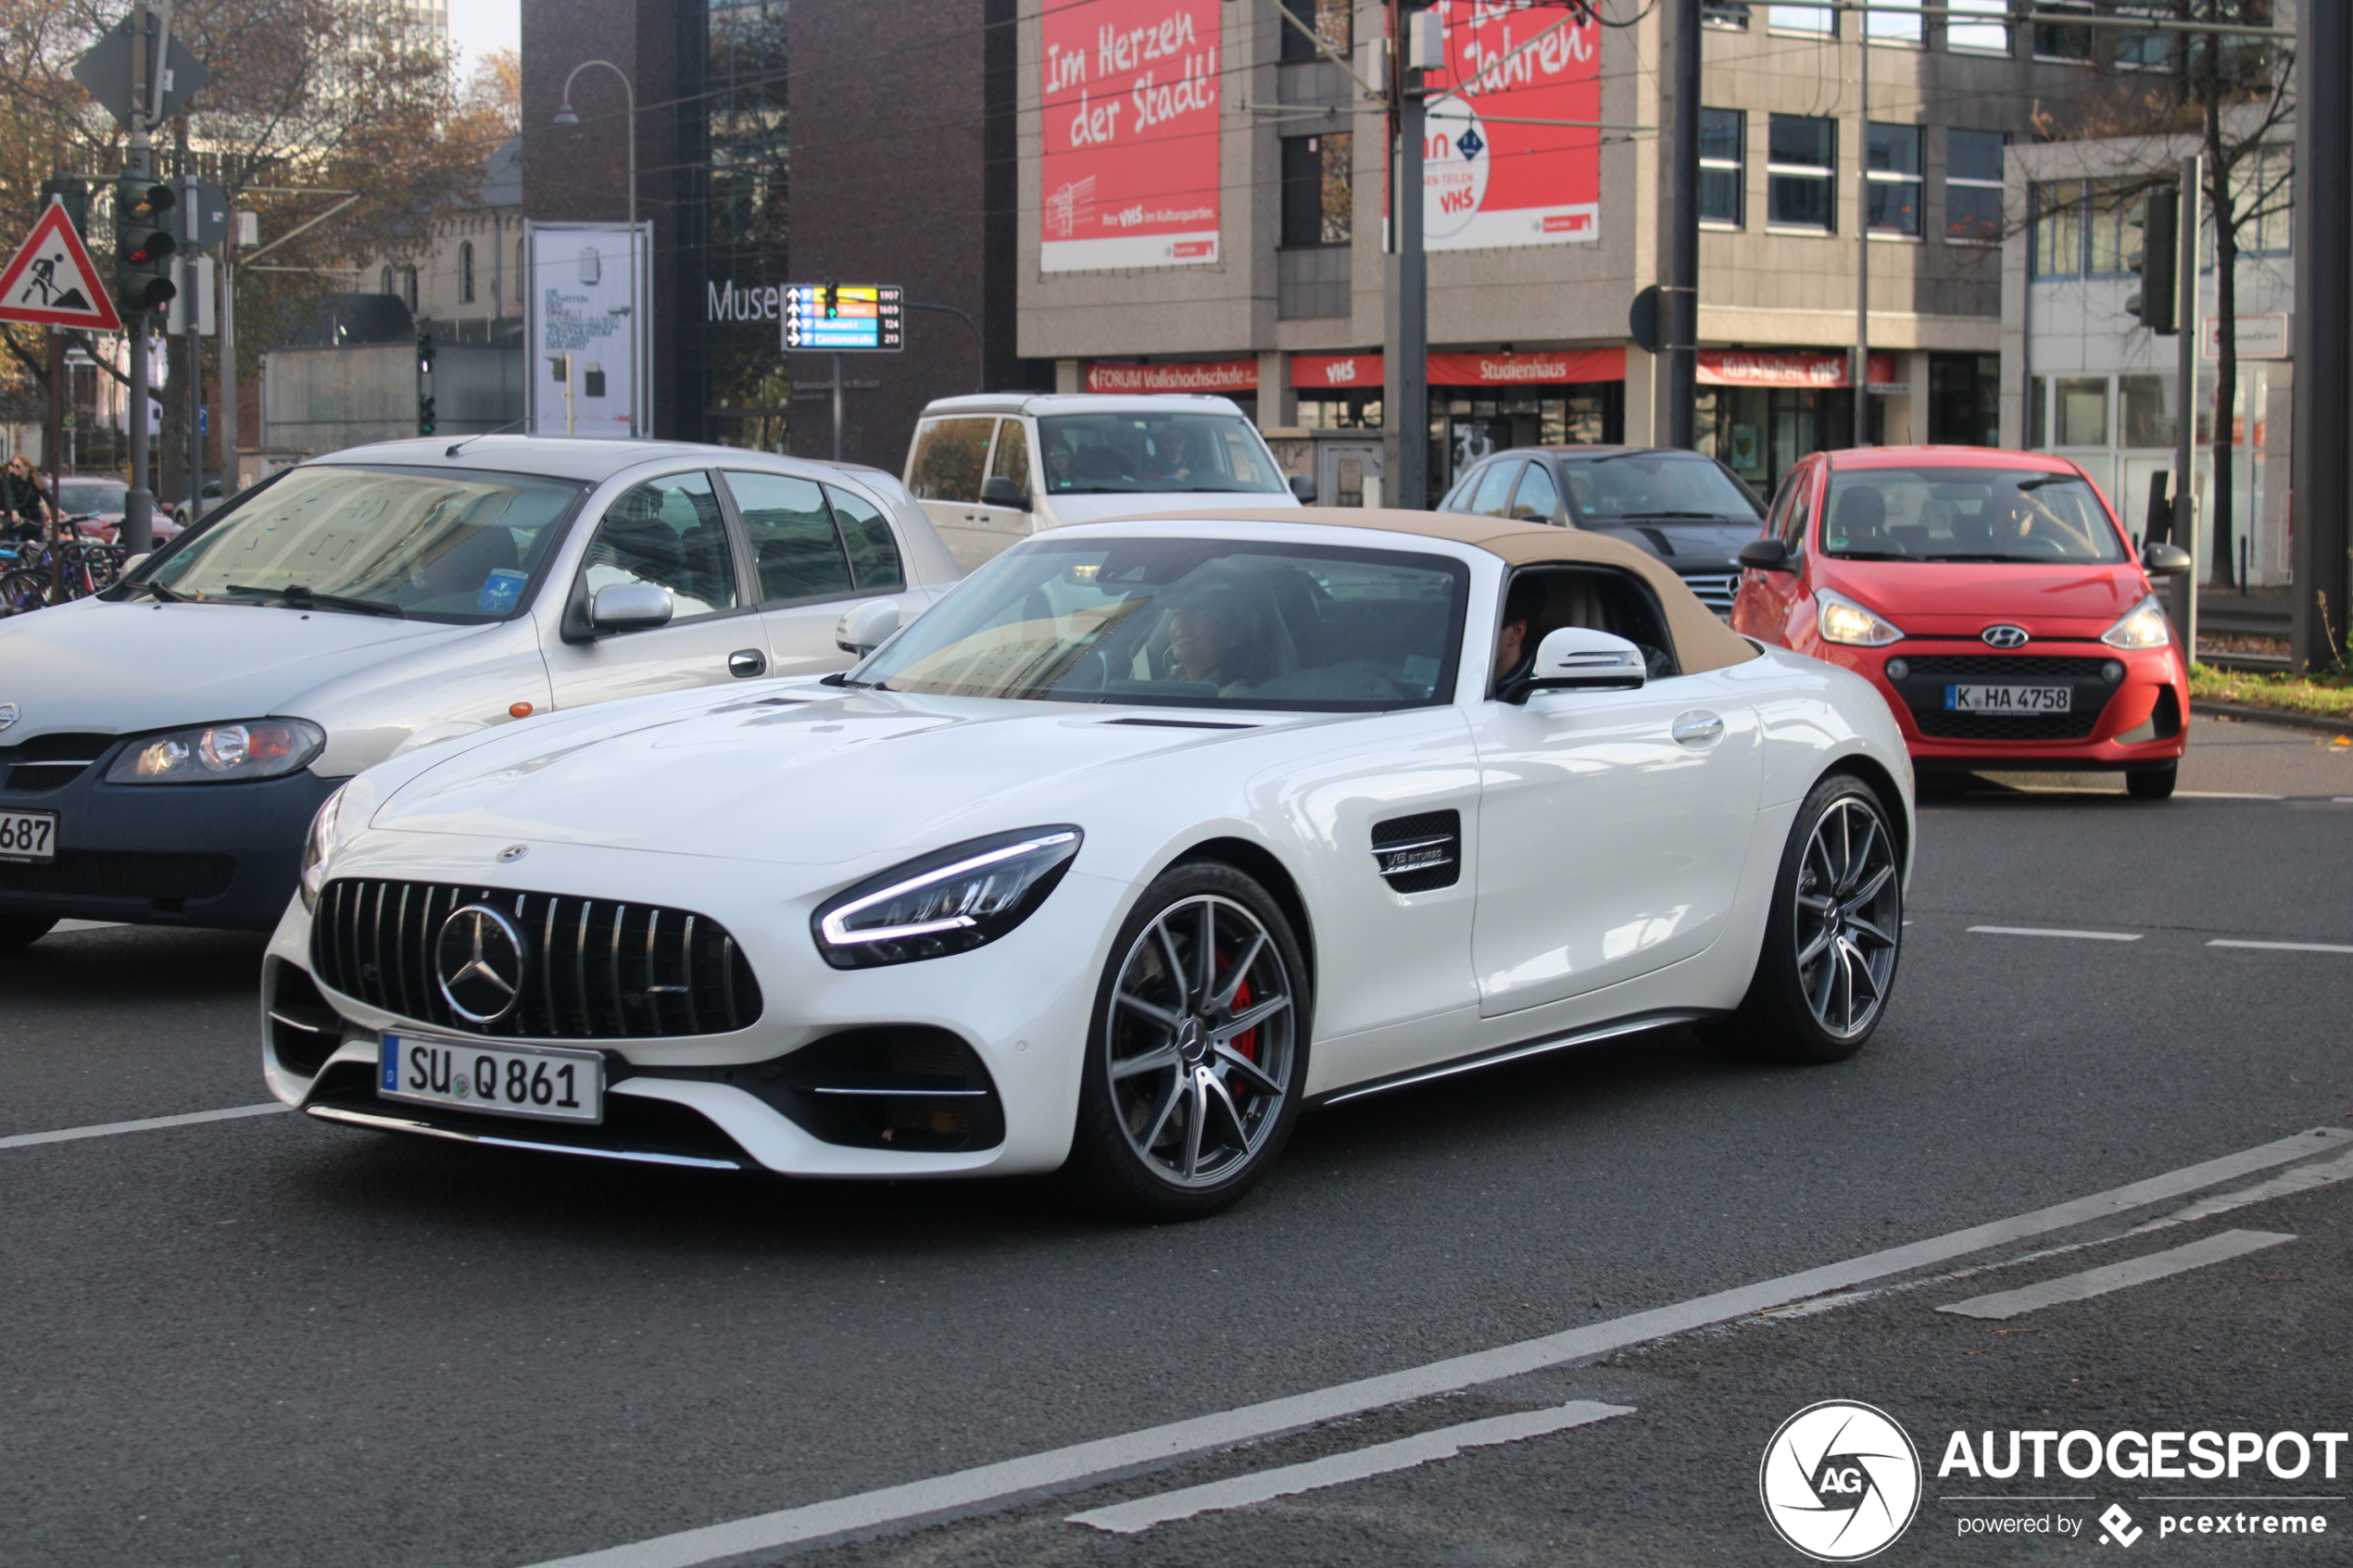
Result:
x=2111 y=228
x=2080 y=410
x=383 y=283
x=2262 y=182
x=1801 y=166
x=1331 y=21
x=2058 y=229
x=2071 y=42
x=1895 y=179
x=1725 y=14
x=466 y=272
x=1992 y=37
x=2144 y=51
x=409 y=288
x=1892 y=24
x=1723 y=166
x=1973 y=186
x=2146 y=404
x=1821 y=20
x=1318 y=189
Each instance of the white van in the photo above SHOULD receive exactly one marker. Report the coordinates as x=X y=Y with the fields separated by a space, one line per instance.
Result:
x=164 y=745
x=992 y=468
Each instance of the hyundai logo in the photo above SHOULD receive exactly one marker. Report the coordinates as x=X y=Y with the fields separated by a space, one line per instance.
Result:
x=2003 y=637
x=479 y=962
x=9 y=714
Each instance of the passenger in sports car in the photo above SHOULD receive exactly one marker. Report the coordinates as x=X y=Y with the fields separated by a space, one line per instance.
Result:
x=1515 y=647
x=1224 y=633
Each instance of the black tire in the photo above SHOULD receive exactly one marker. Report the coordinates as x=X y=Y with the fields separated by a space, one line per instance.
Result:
x=1142 y=1148
x=2152 y=783
x=23 y=931
x=1828 y=959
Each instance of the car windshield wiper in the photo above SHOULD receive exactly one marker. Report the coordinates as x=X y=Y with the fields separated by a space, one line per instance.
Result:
x=1689 y=517
x=299 y=598
x=1874 y=555
x=1984 y=557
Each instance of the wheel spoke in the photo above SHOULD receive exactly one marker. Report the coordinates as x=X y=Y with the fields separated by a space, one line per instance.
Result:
x=1244 y=1023
x=1150 y=1062
x=1214 y=1089
x=1176 y=963
x=1872 y=888
x=1860 y=975
x=1258 y=1076
x=1152 y=1010
x=1208 y=952
x=1814 y=948
x=1845 y=991
x=1820 y=999
x=1816 y=903
x=1859 y=924
x=1223 y=996
x=1196 y=1114
x=1861 y=857
x=1174 y=1092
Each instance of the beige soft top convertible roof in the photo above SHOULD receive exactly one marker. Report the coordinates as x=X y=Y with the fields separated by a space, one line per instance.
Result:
x=1701 y=642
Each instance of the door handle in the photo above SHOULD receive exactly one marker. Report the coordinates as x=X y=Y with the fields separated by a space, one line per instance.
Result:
x=745 y=663
x=1697 y=730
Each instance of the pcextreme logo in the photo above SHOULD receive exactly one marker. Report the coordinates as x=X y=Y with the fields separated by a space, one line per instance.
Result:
x=1839 y=1481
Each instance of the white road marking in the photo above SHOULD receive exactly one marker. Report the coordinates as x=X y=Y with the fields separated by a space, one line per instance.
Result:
x=2116 y=1277
x=2303 y=1178
x=1055 y=1469
x=148 y=1124
x=2285 y=946
x=2223 y=795
x=1131 y=1518
x=2040 y=931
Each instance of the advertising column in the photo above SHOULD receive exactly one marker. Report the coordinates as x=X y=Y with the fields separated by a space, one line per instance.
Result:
x=585 y=329
x=1131 y=96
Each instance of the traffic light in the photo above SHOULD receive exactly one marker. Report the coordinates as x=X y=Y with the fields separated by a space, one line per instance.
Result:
x=426 y=424
x=833 y=301
x=2159 y=222
x=424 y=353
x=143 y=245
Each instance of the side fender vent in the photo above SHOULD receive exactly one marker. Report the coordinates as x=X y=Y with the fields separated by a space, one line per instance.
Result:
x=1420 y=853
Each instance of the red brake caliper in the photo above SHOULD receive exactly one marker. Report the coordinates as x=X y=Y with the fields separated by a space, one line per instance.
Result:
x=1246 y=1043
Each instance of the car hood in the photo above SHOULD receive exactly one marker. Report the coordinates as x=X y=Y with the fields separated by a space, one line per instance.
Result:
x=1689 y=548
x=123 y=668
x=1068 y=510
x=808 y=776
x=1963 y=597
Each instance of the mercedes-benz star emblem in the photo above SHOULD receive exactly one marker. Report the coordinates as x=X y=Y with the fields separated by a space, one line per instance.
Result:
x=512 y=853
x=2003 y=637
x=479 y=962
x=9 y=714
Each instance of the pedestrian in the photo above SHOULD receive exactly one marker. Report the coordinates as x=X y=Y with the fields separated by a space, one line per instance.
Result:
x=22 y=505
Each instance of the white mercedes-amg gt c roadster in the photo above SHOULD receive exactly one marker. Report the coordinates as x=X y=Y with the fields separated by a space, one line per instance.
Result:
x=1148 y=835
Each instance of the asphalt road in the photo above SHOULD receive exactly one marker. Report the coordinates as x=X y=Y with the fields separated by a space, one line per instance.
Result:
x=270 y=1341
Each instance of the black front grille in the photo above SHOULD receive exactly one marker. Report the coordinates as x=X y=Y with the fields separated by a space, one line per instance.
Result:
x=1716 y=591
x=46 y=762
x=1421 y=852
x=110 y=873
x=2007 y=666
x=594 y=968
x=1942 y=725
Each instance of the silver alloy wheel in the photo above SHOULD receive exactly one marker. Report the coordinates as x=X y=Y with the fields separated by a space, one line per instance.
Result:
x=1199 y=1035
x=1849 y=918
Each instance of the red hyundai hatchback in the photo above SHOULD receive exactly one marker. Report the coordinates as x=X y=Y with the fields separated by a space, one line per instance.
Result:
x=1990 y=596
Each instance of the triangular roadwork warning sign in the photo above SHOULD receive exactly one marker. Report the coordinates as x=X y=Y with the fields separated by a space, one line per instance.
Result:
x=51 y=282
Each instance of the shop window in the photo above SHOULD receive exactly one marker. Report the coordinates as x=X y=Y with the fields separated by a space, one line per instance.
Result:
x=2146 y=407
x=1963 y=399
x=1819 y=20
x=1723 y=166
x=2264 y=188
x=2058 y=229
x=1318 y=189
x=1332 y=22
x=2081 y=405
x=1973 y=186
x=1800 y=172
x=1895 y=179
x=1895 y=21
x=1992 y=37
x=2068 y=42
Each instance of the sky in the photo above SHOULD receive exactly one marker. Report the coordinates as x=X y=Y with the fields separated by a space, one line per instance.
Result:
x=477 y=27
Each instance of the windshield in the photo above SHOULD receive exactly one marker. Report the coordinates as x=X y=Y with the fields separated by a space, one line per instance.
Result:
x=76 y=499
x=457 y=546
x=1154 y=453
x=1191 y=623
x=1657 y=486
x=1968 y=514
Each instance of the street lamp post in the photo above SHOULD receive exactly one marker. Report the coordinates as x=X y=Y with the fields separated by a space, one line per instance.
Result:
x=564 y=116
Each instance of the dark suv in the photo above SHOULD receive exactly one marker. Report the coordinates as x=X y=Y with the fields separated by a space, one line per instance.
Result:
x=1690 y=511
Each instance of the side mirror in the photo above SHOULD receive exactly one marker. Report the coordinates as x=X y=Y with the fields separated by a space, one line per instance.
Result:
x=998 y=491
x=1304 y=487
x=2165 y=561
x=629 y=606
x=863 y=628
x=1581 y=659
x=1766 y=555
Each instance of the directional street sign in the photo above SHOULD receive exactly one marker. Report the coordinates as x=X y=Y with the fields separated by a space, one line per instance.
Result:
x=844 y=317
x=51 y=282
x=106 y=72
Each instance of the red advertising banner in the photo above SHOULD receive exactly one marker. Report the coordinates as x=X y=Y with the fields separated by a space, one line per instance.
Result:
x=1558 y=367
x=1202 y=375
x=1500 y=168
x=1737 y=366
x=1131 y=94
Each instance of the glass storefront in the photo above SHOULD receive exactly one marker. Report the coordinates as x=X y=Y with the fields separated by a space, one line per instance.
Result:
x=1761 y=432
x=1466 y=423
x=733 y=387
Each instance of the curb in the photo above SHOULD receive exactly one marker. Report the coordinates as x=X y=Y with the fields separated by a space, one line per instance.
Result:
x=2273 y=716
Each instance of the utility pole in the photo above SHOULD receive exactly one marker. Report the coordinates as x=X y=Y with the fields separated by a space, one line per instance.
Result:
x=1413 y=43
x=2189 y=231
x=841 y=410
x=137 y=535
x=229 y=478
x=2324 y=478
x=1679 y=300
x=1863 y=237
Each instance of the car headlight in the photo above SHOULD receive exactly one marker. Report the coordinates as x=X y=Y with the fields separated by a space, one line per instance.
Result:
x=949 y=901
x=250 y=748
x=1844 y=620
x=315 y=847
x=2143 y=626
